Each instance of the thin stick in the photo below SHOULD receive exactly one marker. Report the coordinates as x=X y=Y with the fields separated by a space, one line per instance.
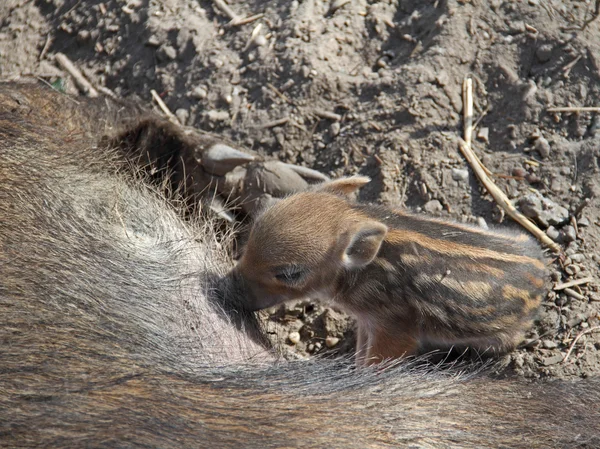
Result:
x=235 y=19
x=224 y=7
x=46 y=46
x=502 y=200
x=468 y=110
x=327 y=114
x=574 y=294
x=581 y=334
x=575 y=109
x=573 y=283
x=84 y=85
x=280 y=94
x=172 y=117
x=468 y=118
x=274 y=123
x=246 y=20
x=478 y=168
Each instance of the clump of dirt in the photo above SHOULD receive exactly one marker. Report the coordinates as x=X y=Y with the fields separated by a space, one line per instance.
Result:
x=372 y=87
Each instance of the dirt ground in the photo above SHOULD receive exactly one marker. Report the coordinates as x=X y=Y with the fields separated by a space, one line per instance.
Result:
x=372 y=87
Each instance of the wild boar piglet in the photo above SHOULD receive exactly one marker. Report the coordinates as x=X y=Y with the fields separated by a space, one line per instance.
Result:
x=407 y=279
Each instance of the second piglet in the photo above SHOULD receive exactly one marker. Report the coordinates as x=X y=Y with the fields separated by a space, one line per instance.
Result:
x=408 y=279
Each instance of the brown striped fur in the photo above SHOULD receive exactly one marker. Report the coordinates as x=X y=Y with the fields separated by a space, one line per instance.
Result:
x=410 y=279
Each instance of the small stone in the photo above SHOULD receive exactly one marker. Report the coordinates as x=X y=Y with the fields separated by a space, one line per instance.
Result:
x=433 y=206
x=217 y=116
x=153 y=41
x=544 y=52
x=442 y=78
x=199 y=92
x=166 y=53
x=330 y=342
x=484 y=135
x=460 y=174
x=516 y=27
x=334 y=129
x=182 y=115
x=577 y=258
x=311 y=347
x=553 y=233
x=569 y=234
x=583 y=222
x=545 y=211
x=481 y=223
x=543 y=147
x=260 y=40
x=572 y=270
x=549 y=344
x=532 y=178
x=519 y=172
x=294 y=337
x=552 y=360
x=83 y=35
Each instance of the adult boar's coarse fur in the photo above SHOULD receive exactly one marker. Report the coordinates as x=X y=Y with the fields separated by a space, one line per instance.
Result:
x=116 y=329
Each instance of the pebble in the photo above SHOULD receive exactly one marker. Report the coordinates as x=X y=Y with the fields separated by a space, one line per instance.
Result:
x=519 y=172
x=294 y=337
x=553 y=233
x=481 y=223
x=543 y=210
x=583 y=222
x=330 y=342
x=199 y=92
x=260 y=40
x=182 y=115
x=433 y=206
x=544 y=52
x=549 y=344
x=334 y=129
x=532 y=178
x=217 y=116
x=543 y=147
x=553 y=360
x=484 y=135
x=153 y=41
x=569 y=234
x=572 y=269
x=578 y=258
x=166 y=53
x=460 y=174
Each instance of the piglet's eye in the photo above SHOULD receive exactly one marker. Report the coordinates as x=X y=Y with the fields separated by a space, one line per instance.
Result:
x=290 y=274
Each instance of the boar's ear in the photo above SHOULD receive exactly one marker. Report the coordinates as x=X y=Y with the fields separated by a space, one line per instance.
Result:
x=364 y=242
x=343 y=186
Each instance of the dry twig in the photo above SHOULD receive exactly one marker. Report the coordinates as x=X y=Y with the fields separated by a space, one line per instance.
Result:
x=84 y=85
x=235 y=19
x=161 y=104
x=468 y=118
x=500 y=198
x=581 y=334
x=327 y=115
x=574 y=109
x=573 y=283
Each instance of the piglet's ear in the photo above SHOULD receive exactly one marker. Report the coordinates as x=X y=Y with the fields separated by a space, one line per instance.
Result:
x=364 y=243
x=343 y=186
